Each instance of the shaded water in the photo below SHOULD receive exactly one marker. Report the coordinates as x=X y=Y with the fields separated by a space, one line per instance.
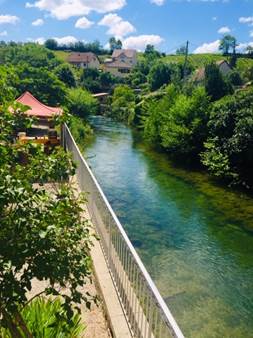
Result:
x=194 y=237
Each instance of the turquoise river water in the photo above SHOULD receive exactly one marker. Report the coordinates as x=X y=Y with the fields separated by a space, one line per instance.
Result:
x=194 y=237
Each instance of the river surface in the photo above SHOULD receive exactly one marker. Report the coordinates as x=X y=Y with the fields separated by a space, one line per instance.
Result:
x=194 y=237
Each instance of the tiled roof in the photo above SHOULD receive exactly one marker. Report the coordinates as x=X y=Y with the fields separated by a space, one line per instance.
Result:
x=37 y=108
x=82 y=57
x=130 y=53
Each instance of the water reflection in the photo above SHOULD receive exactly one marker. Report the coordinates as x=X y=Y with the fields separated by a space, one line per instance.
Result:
x=189 y=232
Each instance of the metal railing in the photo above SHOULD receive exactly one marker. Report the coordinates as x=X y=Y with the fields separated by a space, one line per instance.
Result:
x=145 y=309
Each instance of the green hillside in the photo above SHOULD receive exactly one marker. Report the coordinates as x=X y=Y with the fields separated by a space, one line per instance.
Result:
x=200 y=60
x=62 y=55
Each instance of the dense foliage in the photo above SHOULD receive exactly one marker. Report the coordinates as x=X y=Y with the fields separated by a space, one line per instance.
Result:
x=123 y=104
x=96 y=81
x=229 y=148
x=40 y=316
x=43 y=234
x=81 y=103
x=216 y=85
x=79 y=46
x=178 y=122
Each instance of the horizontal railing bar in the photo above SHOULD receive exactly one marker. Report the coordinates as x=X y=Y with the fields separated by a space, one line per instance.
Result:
x=168 y=317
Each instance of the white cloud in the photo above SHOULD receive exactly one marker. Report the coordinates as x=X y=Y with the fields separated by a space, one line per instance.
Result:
x=211 y=47
x=11 y=19
x=38 y=22
x=158 y=2
x=65 y=40
x=242 y=46
x=248 y=20
x=64 y=9
x=251 y=34
x=83 y=23
x=117 y=26
x=40 y=41
x=141 y=41
x=4 y=33
x=224 y=30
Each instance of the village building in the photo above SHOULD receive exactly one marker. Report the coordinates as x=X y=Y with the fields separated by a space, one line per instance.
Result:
x=121 y=62
x=223 y=66
x=84 y=60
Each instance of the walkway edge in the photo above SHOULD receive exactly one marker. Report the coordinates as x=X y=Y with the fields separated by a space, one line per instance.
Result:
x=117 y=321
x=116 y=317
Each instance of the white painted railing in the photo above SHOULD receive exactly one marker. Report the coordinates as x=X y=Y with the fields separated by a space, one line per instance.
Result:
x=145 y=309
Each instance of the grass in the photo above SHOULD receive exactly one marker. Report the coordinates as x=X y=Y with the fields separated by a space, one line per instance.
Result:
x=62 y=55
x=200 y=60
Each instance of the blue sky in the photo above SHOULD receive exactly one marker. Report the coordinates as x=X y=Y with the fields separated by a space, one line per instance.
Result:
x=165 y=23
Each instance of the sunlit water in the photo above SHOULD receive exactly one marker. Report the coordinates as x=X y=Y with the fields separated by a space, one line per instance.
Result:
x=194 y=237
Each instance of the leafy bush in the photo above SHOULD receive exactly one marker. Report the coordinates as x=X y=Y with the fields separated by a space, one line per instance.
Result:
x=229 y=149
x=42 y=83
x=216 y=86
x=44 y=318
x=80 y=129
x=123 y=104
x=159 y=75
x=178 y=122
x=43 y=234
x=66 y=75
x=81 y=103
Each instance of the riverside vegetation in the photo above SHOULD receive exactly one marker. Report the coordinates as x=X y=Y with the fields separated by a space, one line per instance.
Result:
x=208 y=123
x=43 y=235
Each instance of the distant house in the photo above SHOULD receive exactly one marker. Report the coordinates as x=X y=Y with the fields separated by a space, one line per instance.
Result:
x=122 y=62
x=223 y=66
x=84 y=60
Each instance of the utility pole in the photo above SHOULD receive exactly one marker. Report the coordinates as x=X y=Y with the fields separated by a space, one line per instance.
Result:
x=186 y=58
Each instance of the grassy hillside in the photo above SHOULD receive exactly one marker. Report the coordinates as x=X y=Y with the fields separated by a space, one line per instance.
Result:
x=200 y=60
x=62 y=55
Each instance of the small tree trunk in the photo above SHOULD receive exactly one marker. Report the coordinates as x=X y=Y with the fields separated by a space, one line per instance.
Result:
x=11 y=325
x=23 y=325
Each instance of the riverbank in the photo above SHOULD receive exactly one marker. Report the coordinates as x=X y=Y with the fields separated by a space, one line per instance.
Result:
x=191 y=233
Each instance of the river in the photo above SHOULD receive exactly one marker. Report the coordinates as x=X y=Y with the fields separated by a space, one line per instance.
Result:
x=194 y=237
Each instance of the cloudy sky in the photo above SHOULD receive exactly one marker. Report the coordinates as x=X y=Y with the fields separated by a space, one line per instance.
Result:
x=167 y=24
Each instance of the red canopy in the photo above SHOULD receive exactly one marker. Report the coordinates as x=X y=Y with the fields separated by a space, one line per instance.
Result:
x=38 y=109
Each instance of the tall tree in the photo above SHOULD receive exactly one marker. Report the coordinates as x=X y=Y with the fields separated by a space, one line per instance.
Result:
x=215 y=84
x=51 y=44
x=115 y=44
x=181 y=50
x=227 y=43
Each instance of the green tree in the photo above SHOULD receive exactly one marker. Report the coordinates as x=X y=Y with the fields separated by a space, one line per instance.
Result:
x=66 y=75
x=8 y=82
x=115 y=44
x=159 y=75
x=123 y=104
x=234 y=77
x=42 y=83
x=51 y=44
x=227 y=43
x=178 y=123
x=181 y=50
x=43 y=234
x=249 y=49
x=81 y=103
x=229 y=148
x=216 y=86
